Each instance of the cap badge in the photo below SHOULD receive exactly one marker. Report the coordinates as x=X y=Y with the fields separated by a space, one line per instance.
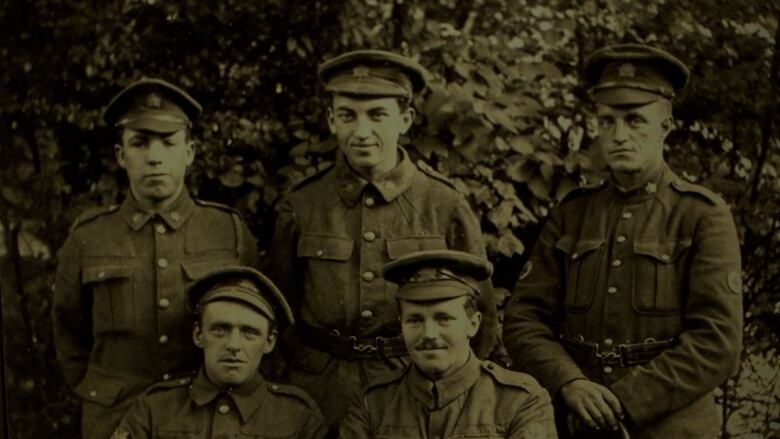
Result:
x=627 y=70
x=651 y=188
x=361 y=71
x=153 y=100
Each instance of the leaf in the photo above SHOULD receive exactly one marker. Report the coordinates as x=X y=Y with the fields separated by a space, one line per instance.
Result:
x=521 y=144
x=508 y=244
x=501 y=214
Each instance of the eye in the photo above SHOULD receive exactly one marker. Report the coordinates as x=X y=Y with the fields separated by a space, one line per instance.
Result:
x=412 y=321
x=605 y=122
x=345 y=116
x=379 y=115
x=251 y=332
x=219 y=330
x=635 y=121
x=138 y=142
x=444 y=319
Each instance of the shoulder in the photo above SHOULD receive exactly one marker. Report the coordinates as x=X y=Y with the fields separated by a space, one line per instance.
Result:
x=163 y=386
x=510 y=378
x=683 y=187
x=428 y=171
x=386 y=379
x=160 y=393
x=317 y=176
x=292 y=393
x=582 y=191
x=92 y=214
x=212 y=205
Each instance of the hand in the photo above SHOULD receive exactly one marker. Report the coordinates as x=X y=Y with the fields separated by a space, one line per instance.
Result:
x=593 y=403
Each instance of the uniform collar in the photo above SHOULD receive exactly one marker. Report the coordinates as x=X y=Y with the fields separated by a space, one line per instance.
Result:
x=644 y=191
x=247 y=397
x=174 y=215
x=437 y=394
x=350 y=184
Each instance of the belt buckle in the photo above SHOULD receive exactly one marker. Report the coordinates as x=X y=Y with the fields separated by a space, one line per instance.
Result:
x=612 y=354
x=362 y=348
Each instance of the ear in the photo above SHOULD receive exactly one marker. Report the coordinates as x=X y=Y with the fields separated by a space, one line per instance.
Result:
x=271 y=341
x=197 y=335
x=407 y=117
x=475 y=321
x=190 y=152
x=331 y=121
x=667 y=125
x=119 y=152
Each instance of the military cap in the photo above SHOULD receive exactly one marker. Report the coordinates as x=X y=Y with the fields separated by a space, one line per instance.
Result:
x=634 y=74
x=437 y=274
x=154 y=105
x=245 y=285
x=372 y=73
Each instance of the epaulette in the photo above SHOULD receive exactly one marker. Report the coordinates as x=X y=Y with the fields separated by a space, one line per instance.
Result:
x=428 y=170
x=689 y=188
x=313 y=177
x=91 y=214
x=509 y=377
x=386 y=378
x=295 y=392
x=168 y=384
x=580 y=190
x=216 y=205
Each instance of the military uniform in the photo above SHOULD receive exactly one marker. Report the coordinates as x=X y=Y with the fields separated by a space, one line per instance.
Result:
x=119 y=305
x=333 y=234
x=639 y=291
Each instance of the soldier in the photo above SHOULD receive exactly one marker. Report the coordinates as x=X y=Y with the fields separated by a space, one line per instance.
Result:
x=631 y=312
x=337 y=229
x=446 y=391
x=238 y=315
x=118 y=311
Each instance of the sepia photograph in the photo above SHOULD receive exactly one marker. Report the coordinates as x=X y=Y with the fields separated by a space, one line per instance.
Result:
x=390 y=219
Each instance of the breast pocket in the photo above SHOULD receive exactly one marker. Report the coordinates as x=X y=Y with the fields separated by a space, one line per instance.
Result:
x=659 y=275
x=326 y=260
x=582 y=261
x=113 y=306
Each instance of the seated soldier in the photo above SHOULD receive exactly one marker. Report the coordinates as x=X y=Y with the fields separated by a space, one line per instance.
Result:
x=446 y=391
x=238 y=315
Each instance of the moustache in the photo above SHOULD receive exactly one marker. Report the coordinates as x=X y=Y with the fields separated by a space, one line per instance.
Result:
x=428 y=345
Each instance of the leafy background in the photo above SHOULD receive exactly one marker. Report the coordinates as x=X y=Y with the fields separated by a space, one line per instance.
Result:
x=506 y=118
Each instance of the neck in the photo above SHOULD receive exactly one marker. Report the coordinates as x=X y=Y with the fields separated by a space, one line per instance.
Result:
x=377 y=172
x=630 y=180
x=153 y=206
x=440 y=375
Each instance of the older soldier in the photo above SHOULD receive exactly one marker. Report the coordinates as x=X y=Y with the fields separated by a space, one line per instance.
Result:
x=447 y=391
x=119 y=315
x=337 y=229
x=239 y=313
x=631 y=309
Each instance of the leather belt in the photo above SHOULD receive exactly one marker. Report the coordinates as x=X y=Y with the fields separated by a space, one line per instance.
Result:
x=350 y=346
x=624 y=355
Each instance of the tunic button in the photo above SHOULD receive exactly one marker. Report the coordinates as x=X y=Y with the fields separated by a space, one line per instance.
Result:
x=612 y=290
x=621 y=239
x=617 y=263
x=369 y=236
x=664 y=257
x=166 y=377
x=366 y=314
x=369 y=202
x=164 y=303
x=607 y=370
x=608 y=341
x=575 y=255
x=368 y=276
x=92 y=393
x=627 y=215
x=162 y=262
x=274 y=386
x=101 y=275
x=319 y=253
x=224 y=409
x=175 y=216
x=159 y=228
x=163 y=339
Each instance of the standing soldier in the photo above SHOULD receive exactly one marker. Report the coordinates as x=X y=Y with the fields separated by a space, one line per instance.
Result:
x=337 y=229
x=119 y=304
x=631 y=312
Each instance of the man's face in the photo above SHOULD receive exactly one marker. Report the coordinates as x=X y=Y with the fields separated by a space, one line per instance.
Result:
x=437 y=334
x=155 y=163
x=368 y=130
x=234 y=338
x=632 y=138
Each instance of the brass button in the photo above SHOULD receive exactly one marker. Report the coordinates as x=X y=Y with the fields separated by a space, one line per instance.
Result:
x=575 y=255
x=607 y=370
x=366 y=314
x=621 y=239
x=608 y=341
x=627 y=215
x=175 y=216
x=159 y=228
x=617 y=263
x=162 y=262
x=612 y=290
x=369 y=236
x=368 y=276
x=102 y=274
x=319 y=253
x=369 y=202
x=224 y=409
x=183 y=381
x=664 y=257
x=93 y=393
x=163 y=339
x=164 y=303
x=166 y=377
x=274 y=386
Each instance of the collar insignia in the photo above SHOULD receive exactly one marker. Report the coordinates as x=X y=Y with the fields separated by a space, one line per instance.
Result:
x=651 y=188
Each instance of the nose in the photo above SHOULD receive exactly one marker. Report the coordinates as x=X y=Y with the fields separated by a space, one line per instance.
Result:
x=362 y=128
x=156 y=152
x=430 y=331
x=234 y=341
x=620 y=134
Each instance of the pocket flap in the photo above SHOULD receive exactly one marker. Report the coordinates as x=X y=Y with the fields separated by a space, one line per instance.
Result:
x=196 y=270
x=576 y=249
x=332 y=248
x=100 y=273
x=99 y=388
x=665 y=251
x=398 y=247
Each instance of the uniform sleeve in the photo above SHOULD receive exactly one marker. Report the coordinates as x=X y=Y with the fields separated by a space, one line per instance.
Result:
x=136 y=423
x=249 y=254
x=534 y=420
x=711 y=341
x=356 y=424
x=464 y=234
x=314 y=427
x=532 y=316
x=282 y=259
x=71 y=315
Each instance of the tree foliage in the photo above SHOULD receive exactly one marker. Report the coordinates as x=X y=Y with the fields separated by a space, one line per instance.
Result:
x=506 y=118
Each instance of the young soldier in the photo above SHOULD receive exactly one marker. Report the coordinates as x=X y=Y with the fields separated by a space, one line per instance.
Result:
x=632 y=310
x=119 y=318
x=238 y=315
x=337 y=229
x=446 y=391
